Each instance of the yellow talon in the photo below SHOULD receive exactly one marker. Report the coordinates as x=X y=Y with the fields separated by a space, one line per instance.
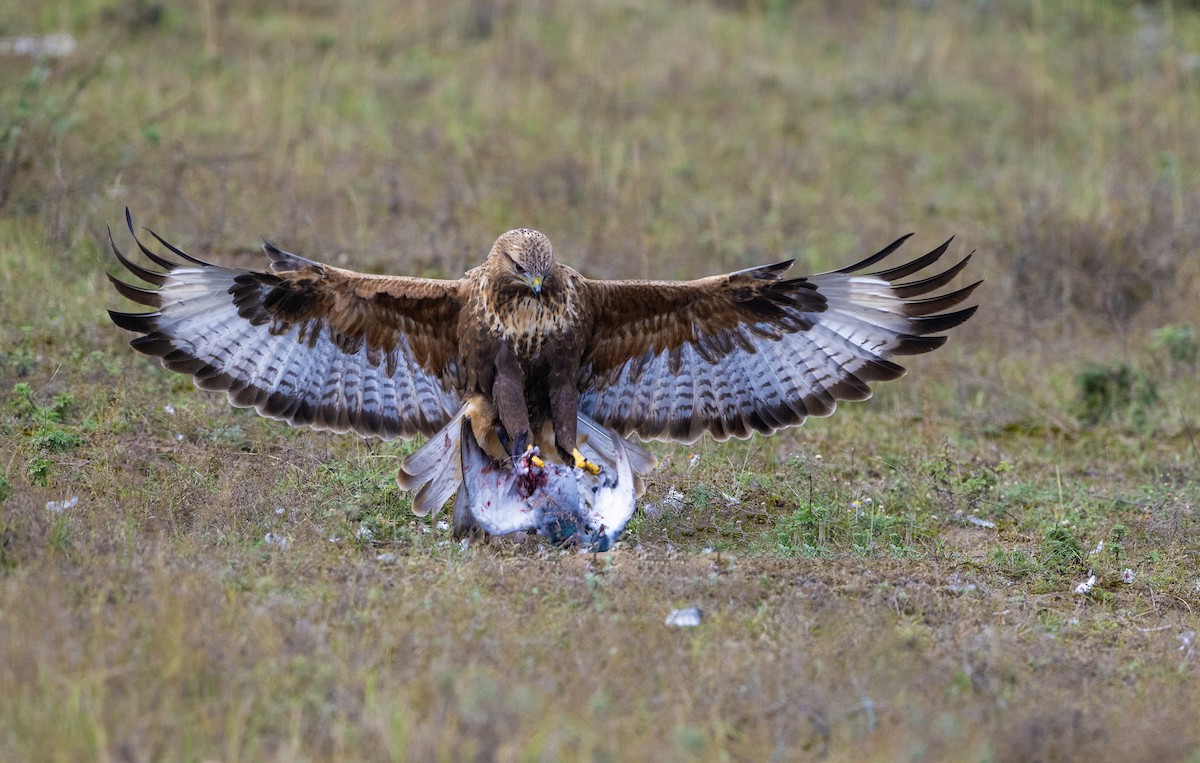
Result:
x=583 y=463
x=534 y=459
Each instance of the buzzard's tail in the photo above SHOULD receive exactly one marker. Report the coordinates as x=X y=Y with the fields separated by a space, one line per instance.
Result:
x=434 y=470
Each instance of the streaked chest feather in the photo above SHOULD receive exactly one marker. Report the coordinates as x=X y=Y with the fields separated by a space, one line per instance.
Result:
x=527 y=323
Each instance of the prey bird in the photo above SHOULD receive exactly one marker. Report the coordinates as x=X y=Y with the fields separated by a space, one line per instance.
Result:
x=524 y=352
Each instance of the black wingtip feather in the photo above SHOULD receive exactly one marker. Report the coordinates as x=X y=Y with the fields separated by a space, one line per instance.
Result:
x=917 y=308
x=916 y=345
x=142 y=323
x=162 y=262
x=149 y=276
x=877 y=370
x=177 y=251
x=147 y=297
x=916 y=265
x=153 y=344
x=926 y=285
x=874 y=258
x=934 y=323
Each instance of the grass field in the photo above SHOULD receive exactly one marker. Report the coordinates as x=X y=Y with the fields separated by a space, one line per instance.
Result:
x=180 y=580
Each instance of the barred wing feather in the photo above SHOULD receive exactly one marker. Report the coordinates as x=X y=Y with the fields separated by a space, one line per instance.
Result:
x=752 y=352
x=309 y=344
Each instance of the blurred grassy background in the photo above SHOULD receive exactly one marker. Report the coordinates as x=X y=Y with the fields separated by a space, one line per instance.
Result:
x=1060 y=141
x=668 y=140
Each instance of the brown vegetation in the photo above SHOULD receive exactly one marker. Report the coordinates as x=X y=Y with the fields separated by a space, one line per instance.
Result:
x=896 y=582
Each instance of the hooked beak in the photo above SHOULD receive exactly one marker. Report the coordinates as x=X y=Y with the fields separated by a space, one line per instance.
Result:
x=535 y=283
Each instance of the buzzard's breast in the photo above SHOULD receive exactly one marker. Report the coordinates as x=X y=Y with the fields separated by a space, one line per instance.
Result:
x=530 y=325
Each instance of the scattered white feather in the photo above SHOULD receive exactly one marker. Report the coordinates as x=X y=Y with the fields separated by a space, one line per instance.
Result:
x=277 y=540
x=1187 y=640
x=1127 y=576
x=57 y=45
x=1087 y=585
x=674 y=499
x=689 y=617
x=63 y=505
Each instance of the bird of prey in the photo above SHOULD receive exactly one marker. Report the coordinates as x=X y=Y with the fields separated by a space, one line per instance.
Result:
x=528 y=352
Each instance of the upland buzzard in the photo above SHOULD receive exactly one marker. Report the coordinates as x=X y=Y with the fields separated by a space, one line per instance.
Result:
x=526 y=351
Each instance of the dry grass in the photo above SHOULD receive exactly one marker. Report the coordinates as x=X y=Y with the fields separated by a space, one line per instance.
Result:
x=892 y=583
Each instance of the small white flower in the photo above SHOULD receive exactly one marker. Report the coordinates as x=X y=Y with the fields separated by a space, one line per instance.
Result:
x=1127 y=575
x=1086 y=585
x=364 y=533
x=178 y=438
x=170 y=409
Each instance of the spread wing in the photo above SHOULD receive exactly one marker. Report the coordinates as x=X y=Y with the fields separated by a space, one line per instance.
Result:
x=307 y=343
x=752 y=351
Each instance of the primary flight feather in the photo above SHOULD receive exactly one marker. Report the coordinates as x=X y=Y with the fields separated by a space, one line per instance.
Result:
x=530 y=353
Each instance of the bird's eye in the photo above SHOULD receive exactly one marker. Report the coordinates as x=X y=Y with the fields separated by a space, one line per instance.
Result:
x=516 y=265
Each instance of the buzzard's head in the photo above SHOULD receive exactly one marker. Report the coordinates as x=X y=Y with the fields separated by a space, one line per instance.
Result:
x=525 y=256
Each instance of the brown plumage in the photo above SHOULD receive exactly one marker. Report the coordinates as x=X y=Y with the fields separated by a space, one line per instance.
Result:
x=531 y=352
